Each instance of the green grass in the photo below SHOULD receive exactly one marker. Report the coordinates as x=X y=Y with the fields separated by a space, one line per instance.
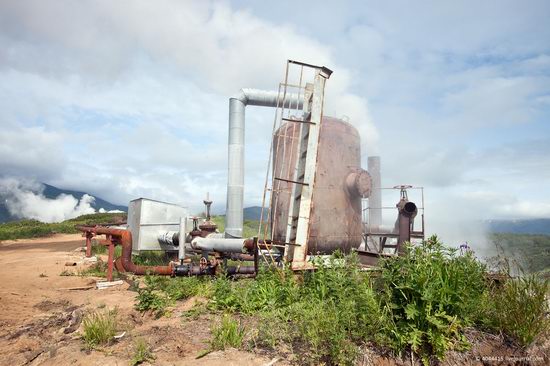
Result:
x=33 y=228
x=228 y=333
x=142 y=352
x=160 y=292
x=520 y=309
x=99 y=328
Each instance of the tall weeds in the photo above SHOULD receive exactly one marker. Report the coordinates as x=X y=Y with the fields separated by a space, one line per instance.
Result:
x=419 y=302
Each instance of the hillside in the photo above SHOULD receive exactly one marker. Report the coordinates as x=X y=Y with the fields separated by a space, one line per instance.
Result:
x=35 y=229
x=531 y=252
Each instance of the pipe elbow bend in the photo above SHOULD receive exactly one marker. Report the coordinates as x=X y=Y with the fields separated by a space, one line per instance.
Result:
x=241 y=96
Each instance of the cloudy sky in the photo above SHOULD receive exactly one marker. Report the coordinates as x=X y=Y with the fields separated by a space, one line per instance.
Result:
x=125 y=99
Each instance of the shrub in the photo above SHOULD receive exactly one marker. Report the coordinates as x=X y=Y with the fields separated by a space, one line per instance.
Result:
x=228 y=333
x=99 y=328
x=431 y=293
x=149 y=299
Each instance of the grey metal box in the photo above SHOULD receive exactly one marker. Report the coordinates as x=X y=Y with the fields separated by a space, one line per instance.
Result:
x=148 y=218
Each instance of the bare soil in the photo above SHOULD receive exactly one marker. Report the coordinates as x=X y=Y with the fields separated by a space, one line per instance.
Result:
x=41 y=313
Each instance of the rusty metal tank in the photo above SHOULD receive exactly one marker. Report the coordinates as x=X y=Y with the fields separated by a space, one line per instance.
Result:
x=340 y=183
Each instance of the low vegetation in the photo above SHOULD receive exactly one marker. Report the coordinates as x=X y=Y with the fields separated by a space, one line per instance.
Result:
x=228 y=333
x=419 y=304
x=159 y=293
x=33 y=228
x=520 y=309
x=99 y=328
x=142 y=352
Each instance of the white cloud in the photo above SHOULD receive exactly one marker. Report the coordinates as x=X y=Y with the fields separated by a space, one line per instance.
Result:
x=128 y=99
x=140 y=89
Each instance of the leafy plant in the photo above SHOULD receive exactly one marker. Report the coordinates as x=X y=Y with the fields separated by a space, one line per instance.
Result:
x=431 y=294
x=99 y=328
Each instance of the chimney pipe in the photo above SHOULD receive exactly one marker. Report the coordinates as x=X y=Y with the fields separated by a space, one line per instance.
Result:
x=235 y=174
x=375 y=199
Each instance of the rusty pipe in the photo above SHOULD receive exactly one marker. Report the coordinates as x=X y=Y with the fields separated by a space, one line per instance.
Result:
x=407 y=213
x=124 y=238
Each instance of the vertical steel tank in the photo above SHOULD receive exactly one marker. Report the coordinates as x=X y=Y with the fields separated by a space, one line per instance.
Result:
x=340 y=183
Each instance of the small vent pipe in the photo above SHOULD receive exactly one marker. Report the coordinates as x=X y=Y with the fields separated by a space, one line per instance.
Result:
x=235 y=173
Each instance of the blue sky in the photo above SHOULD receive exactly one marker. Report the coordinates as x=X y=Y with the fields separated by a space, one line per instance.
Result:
x=129 y=98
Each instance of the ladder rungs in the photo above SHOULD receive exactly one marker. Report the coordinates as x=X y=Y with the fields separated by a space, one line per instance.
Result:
x=297 y=120
x=292 y=181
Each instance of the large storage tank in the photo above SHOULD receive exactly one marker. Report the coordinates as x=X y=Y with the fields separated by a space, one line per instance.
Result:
x=339 y=185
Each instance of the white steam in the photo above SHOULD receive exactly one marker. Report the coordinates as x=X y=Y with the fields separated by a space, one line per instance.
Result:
x=25 y=199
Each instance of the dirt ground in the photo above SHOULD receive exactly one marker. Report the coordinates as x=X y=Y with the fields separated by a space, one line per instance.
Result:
x=41 y=311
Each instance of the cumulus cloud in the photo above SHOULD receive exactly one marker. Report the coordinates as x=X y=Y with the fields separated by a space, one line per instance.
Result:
x=153 y=79
x=129 y=99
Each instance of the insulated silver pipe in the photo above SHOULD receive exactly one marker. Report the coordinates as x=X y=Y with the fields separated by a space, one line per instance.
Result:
x=375 y=199
x=224 y=245
x=235 y=173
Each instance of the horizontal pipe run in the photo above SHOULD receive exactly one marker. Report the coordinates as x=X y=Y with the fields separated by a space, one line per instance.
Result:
x=124 y=238
x=222 y=245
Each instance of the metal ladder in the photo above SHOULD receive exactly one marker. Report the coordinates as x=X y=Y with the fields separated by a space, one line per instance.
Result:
x=301 y=176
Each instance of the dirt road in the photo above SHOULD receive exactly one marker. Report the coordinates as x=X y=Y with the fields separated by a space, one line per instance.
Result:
x=39 y=309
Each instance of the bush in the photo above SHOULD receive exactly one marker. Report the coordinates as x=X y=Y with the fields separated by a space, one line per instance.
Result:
x=431 y=294
x=99 y=328
x=228 y=333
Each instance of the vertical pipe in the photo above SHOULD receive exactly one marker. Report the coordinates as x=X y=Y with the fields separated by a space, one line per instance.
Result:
x=182 y=235
x=375 y=199
x=111 y=259
x=88 y=245
x=235 y=174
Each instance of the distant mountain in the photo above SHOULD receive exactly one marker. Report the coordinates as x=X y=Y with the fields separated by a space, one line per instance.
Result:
x=253 y=213
x=52 y=192
x=531 y=226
